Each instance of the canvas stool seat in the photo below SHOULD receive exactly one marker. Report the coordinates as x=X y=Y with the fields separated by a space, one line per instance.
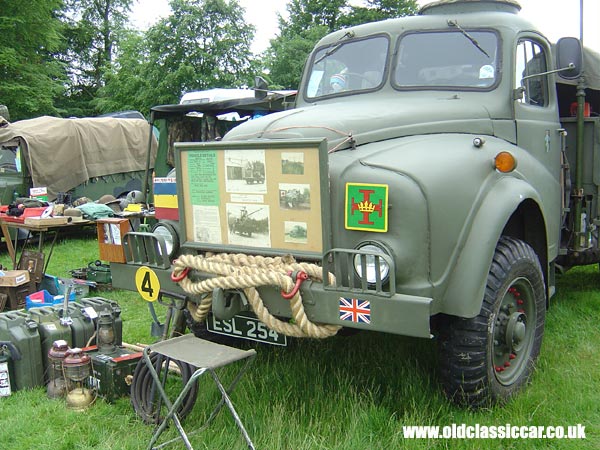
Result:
x=206 y=356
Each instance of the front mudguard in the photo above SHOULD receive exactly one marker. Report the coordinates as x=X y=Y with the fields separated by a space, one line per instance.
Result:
x=463 y=296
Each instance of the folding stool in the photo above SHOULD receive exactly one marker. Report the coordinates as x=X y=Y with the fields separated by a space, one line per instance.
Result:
x=206 y=356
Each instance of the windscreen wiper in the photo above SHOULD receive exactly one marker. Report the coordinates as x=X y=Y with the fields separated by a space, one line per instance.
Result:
x=454 y=23
x=335 y=48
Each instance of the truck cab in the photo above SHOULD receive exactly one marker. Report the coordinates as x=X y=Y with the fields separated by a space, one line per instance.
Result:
x=439 y=195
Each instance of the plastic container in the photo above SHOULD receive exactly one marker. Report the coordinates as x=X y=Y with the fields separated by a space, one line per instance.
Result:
x=18 y=328
x=43 y=298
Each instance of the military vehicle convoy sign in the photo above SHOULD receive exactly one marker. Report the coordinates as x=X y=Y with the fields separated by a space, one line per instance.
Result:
x=241 y=195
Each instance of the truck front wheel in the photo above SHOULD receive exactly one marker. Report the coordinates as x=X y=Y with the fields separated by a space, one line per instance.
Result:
x=486 y=359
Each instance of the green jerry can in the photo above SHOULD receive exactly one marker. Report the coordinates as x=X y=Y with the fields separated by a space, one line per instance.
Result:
x=19 y=329
x=51 y=328
x=112 y=373
x=81 y=321
x=101 y=304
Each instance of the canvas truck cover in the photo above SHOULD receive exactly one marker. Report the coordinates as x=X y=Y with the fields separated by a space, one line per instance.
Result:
x=64 y=153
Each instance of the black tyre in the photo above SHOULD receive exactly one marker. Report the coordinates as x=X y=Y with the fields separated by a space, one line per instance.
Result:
x=486 y=359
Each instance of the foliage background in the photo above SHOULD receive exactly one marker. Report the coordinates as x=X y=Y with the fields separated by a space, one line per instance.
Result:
x=77 y=58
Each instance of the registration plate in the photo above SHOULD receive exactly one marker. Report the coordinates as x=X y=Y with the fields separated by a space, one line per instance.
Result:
x=245 y=327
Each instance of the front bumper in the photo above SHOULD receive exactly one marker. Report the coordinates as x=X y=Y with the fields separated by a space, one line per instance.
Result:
x=348 y=302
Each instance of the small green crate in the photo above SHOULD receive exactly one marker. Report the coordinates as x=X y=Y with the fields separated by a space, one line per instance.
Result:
x=112 y=373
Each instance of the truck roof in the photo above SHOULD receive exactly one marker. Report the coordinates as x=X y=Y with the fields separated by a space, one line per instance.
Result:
x=273 y=102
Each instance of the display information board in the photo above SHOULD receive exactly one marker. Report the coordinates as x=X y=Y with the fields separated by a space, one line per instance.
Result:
x=245 y=195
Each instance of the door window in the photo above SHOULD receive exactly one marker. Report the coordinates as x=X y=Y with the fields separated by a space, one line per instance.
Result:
x=531 y=61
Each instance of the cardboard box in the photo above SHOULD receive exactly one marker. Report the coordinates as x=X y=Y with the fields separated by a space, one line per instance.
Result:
x=13 y=277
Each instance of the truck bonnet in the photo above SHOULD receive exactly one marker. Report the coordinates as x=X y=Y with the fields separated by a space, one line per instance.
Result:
x=359 y=121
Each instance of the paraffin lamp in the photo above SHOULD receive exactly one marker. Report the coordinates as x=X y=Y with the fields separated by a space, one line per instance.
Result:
x=76 y=369
x=106 y=333
x=57 y=386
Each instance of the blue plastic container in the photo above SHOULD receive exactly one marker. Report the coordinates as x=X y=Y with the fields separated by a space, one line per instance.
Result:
x=44 y=298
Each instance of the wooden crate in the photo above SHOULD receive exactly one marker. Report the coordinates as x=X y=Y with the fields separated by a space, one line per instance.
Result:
x=16 y=295
x=110 y=238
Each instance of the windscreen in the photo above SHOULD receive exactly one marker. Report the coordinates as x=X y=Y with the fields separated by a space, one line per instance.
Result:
x=455 y=59
x=349 y=67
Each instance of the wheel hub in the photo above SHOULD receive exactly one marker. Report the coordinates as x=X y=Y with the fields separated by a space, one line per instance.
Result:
x=512 y=337
x=515 y=330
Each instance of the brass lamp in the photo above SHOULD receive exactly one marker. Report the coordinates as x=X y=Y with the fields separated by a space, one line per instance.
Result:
x=57 y=386
x=76 y=369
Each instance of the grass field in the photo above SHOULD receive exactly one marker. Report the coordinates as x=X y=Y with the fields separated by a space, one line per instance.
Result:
x=342 y=393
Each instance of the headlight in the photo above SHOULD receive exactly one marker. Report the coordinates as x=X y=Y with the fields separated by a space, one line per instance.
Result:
x=373 y=263
x=169 y=233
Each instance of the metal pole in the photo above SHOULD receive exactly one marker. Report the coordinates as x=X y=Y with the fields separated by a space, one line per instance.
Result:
x=581 y=229
x=581 y=21
x=146 y=184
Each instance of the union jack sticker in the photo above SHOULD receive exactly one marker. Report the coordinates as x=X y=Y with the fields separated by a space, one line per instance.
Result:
x=355 y=310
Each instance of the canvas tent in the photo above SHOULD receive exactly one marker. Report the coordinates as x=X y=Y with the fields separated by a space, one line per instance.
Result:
x=63 y=153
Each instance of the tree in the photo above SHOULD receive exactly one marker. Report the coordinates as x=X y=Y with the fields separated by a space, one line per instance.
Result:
x=287 y=55
x=376 y=10
x=93 y=30
x=309 y=21
x=203 y=44
x=305 y=14
x=30 y=78
x=126 y=87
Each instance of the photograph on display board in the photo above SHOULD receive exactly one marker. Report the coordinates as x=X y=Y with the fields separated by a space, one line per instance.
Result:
x=296 y=232
x=245 y=171
x=294 y=196
x=248 y=225
x=292 y=163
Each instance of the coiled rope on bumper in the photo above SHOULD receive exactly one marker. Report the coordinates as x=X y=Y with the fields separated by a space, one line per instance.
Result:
x=247 y=272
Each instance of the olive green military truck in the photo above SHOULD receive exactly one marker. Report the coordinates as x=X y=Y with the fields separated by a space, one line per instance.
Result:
x=448 y=168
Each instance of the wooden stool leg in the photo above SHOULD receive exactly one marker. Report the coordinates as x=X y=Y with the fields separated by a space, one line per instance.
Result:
x=9 y=243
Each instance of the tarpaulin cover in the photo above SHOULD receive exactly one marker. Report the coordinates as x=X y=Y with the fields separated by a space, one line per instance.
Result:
x=64 y=153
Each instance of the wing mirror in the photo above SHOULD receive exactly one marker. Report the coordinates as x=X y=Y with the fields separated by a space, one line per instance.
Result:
x=569 y=58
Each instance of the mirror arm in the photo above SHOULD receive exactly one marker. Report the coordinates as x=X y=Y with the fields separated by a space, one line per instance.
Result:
x=563 y=69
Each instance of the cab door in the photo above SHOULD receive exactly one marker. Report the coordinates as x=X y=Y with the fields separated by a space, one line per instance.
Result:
x=538 y=128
